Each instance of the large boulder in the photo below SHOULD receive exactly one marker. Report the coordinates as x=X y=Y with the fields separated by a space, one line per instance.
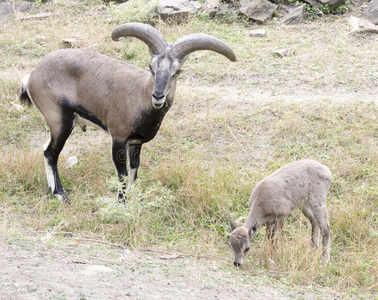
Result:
x=372 y=12
x=176 y=10
x=258 y=10
x=297 y=15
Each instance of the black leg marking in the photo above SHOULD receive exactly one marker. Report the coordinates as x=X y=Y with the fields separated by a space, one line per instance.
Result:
x=133 y=151
x=51 y=154
x=119 y=159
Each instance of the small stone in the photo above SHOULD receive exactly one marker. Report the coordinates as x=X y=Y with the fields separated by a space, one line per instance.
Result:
x=71 y=161
x=257 y=33
x=97 y=270
x=281 y=52
x=21 y=109
x=71 y=42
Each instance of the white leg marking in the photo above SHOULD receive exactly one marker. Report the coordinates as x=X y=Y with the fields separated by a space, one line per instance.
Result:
x=50 y=176
x=49 y=171
x=47 y=144
x=51 y=179
x=132 y=173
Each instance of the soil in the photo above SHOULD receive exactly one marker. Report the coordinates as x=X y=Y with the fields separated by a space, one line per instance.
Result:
x=33 y=270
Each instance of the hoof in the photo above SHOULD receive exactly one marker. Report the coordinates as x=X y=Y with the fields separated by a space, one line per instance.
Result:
x=121 y=198
x=66 y=200
x=63 y=197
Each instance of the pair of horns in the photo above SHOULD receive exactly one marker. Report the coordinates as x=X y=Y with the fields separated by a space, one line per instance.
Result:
x=181 y=48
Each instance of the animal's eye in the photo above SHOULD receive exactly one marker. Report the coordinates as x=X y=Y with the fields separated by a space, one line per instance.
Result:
x=178 y=72
x=246 y=250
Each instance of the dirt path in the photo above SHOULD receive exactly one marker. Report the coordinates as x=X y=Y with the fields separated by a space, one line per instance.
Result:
x=32 y=270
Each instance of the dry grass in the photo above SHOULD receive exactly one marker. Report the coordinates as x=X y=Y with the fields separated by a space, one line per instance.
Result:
x=231 y=125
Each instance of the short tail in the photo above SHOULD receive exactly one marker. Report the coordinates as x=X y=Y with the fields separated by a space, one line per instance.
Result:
x=24 y=96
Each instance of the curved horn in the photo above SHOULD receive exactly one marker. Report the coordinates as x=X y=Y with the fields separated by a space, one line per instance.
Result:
x=146 y=33
x=194 y=42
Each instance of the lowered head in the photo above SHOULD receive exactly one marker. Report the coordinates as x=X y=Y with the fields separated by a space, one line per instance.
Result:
x=240 y=241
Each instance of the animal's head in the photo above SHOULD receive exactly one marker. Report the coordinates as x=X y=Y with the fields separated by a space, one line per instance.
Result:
x=166 y=59
x=240 y=241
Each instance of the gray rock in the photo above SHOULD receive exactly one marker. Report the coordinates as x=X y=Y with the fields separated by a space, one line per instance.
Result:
x=362 y=26
x=372 y=12
x=281 y=52
x=210 y=5
x=296 y=15
x=97 y=271
x=258 y=10
x=332 y=3
x=221 y=13
x=22 y=6
x=314 y=3
x=257 y=33
x=71 y=42
x=5 y=10
x=176 y=10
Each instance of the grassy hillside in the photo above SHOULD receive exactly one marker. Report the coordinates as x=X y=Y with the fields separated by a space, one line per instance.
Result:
x=231 y=125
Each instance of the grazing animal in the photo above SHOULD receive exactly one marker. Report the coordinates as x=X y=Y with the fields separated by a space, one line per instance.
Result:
x=302 y=184
x=77 y=86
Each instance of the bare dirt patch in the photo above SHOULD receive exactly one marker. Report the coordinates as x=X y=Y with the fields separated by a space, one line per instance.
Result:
x=32 y=270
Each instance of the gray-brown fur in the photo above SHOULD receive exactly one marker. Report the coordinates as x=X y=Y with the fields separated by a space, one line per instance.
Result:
x=302 y=184
x=81 y=86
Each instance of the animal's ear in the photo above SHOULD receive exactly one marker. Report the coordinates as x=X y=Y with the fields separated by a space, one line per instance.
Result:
x=232 y=224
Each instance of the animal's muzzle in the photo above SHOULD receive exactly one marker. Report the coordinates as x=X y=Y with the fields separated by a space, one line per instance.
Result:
x=158 y=100
x=237 y=264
